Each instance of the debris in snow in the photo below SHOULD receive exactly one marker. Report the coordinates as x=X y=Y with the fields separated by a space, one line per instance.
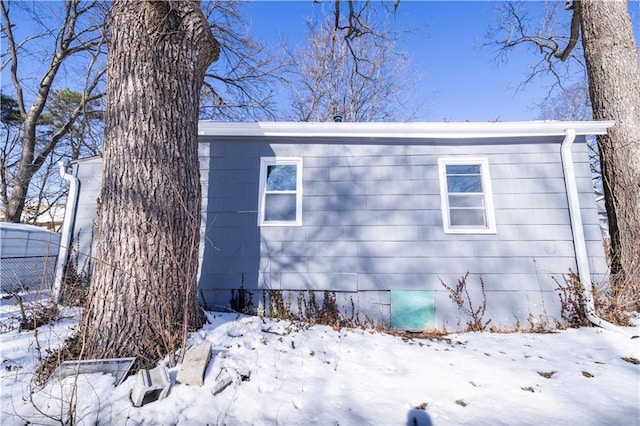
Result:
x=191 y=371
x=547 y=374
x=150 y=385
x=373 y=367
x=223 y=380
x=244 y=373
x=228 y=375
x=117 y=367
x=279 y=330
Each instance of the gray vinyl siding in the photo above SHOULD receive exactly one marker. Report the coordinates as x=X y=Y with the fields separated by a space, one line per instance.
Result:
x=372 y=218
x=372 y=222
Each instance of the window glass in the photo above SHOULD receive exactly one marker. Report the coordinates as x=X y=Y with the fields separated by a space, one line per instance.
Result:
x=281 y=177
x=280 y=207
x=467 y=217
x=280 y=198
x=466 y=200
x=467 y=206
x=457 y=183
x=464 y=178
x=463 y=169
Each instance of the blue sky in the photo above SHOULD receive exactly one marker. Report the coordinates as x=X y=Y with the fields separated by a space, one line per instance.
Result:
x=462 y=81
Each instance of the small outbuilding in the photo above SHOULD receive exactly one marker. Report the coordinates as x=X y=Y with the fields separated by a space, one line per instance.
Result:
x=382 y=217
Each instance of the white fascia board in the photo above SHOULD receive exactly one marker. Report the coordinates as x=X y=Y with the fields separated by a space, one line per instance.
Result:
x=457 y=130
x=95 y=158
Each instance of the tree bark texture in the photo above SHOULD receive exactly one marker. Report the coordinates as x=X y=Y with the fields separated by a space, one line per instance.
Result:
x=611 y=56
x=143 y=288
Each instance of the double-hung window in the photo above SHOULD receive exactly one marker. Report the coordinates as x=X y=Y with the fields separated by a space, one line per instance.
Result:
x=280 y=198
x=467 y=201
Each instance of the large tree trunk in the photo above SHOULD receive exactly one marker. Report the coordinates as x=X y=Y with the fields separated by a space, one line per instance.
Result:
x=143 y=288
x=611 y=55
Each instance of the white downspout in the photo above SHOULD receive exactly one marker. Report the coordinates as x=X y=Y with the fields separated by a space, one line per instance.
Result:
x=579 y=242
x=67 y=229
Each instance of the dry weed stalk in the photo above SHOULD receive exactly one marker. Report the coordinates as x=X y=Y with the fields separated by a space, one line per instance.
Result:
x=572 y=303
x=461 y=297
x=310 y=311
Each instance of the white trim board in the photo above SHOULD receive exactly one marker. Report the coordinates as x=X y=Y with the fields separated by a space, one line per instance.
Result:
x=465 y=130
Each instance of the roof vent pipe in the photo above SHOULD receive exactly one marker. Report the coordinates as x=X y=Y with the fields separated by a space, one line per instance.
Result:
x=579 y=242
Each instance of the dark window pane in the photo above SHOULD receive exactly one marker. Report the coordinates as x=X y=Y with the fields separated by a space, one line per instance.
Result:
x=280 y=207
x=463 y=169
x=462 y=183
x=467 y=217
x=281 y=177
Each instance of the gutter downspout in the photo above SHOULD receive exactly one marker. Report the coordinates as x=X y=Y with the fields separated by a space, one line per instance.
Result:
x=67 y=228
x=579 y=242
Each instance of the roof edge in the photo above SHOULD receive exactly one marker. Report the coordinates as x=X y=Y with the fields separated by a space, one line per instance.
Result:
x=465 y=130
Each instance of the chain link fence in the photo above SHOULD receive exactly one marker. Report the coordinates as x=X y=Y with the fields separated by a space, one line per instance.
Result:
x=26 y=273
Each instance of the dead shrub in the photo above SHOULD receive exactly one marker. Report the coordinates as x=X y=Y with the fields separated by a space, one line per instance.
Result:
x=572 y=302
x=309 y=310
x=35 y=314
x=75 y=287
x=241 y=301
x=621 y=299
x=71 y=349
x=461 y=297
x=77 y=276
x=278 y=308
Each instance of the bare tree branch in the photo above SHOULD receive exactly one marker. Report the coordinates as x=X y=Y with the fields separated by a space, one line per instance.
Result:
x=77 y=34
x=13 y=52
x=575 y=32
x=515 y=28
x=239 y=86
x=359 y=23
x=366 y=80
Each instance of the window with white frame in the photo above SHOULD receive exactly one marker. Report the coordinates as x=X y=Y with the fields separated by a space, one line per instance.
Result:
x=280 y=198
x=465 y=190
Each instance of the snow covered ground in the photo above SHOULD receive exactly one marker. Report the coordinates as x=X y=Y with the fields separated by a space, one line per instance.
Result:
x=317 y=375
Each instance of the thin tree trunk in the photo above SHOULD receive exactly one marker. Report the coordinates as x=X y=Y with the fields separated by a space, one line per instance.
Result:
x=20 y=185
x=72 y=38
x=611 y=55
x=27 y=167
x=143 y=288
